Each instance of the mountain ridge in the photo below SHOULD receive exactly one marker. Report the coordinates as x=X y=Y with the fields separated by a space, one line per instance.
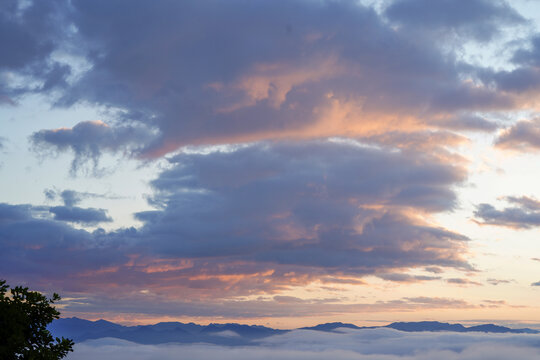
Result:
x=236 y=334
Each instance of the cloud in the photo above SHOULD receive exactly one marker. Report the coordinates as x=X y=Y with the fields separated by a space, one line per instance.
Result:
x=72 y=197
x=529 y=55
x=263 y=217
x=45 y=250
x=72 y=213
x=524 y=201
x=437 y=302
x=29 y=36
x=152 y=304
x=522 y=136
x=520 y=80
x=523 y=80
x=400 y=277
x=11 y=213
x=525 y=213
x=345 y=344
x=329 y=205
x=499 y=281
x=252 y=220
x=87 y=140
x=316 y=69
x=463 y=282
x=79 y=215
x=433 y=269
x=431 y=141
x=494 y=303
x=469 y=122
x=480 y=20
x=31 y=47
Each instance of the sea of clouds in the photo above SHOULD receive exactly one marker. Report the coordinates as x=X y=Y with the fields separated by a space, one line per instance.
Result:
x=344 y=344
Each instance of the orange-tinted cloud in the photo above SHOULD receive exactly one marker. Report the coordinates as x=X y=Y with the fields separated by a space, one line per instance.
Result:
x=336 y=69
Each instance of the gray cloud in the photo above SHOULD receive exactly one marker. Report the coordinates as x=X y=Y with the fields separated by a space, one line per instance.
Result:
x=282 y=69
x=522 y=136
x=345 y=344
x=29 y=35
x=14 y=30
x=499 y=281
x=317 y=69
x=11 y=213
x=73 y=197
x=257 y=219
x=428 y=141
x=477 y=19
x=400 y=277
x=525 y=213
x=462 y=281
x=79 y=215
x=524 y=79
x=520 y=80
x=89 y=139
x=529 y=56
x=433 y=269
x=152 y=304
x=39 y=248
x=189 y=73
x=304 y=205
x=72 y=213
x=526 y=202
x=469 y=122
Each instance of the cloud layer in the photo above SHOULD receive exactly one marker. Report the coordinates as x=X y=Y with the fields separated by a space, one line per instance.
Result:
x=305 y=141
x=300 y=203
x=345 y=344
x=228 y=72
x=477 y=19
x=256 y=219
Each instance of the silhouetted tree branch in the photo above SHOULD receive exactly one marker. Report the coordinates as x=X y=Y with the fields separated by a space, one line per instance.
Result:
x=24 y=316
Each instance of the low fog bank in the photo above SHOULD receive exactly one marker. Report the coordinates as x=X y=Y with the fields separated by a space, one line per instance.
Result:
x=344 y=344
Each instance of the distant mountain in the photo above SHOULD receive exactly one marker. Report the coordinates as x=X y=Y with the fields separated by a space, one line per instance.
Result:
x=232 y=334
x=165 y=332
x=248 y=331
x=83 y=329
x=426 y=326
x=490 y=328
x=439 y=326
x=332 y=326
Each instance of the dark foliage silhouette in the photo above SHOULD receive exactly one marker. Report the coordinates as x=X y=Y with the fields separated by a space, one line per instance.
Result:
x=24 y=316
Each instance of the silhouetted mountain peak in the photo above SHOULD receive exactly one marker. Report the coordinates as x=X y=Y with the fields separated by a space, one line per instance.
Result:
x=331 y=326
x=426 y=326
x=248 y=331
x=165 y=332
x=440 y=326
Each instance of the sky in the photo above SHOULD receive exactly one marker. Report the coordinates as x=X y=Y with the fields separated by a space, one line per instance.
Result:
x=282 y=163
